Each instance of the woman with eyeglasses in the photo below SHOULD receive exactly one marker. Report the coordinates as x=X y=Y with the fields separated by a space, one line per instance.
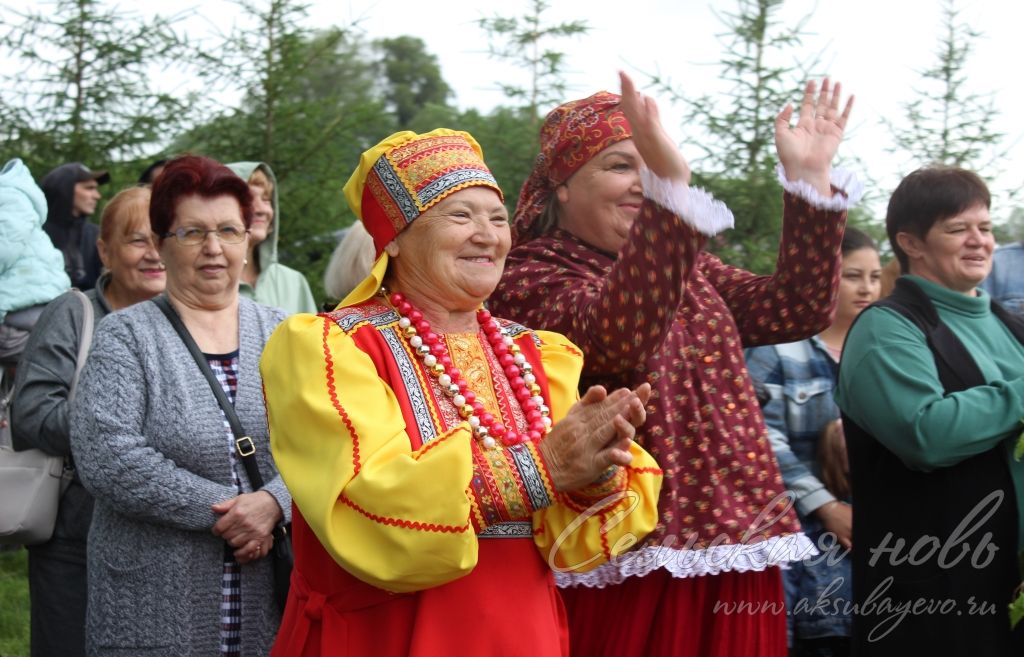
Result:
x=179 y=540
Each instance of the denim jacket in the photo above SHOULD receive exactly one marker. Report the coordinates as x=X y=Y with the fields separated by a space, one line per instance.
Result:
x=800 y=378
x=1006 y=280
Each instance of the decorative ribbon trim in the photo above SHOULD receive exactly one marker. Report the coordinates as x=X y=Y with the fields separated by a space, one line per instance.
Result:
x=332 y=392
x=653 y=471
x=421 y=452
x=406 y=524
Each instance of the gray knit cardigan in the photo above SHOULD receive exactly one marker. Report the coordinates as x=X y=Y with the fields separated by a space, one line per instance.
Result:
x=150 y=443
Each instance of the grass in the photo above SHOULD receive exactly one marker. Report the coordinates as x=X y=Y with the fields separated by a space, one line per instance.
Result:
x=13 y=603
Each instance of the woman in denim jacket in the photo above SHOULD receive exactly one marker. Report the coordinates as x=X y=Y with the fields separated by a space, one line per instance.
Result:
x=803 y=426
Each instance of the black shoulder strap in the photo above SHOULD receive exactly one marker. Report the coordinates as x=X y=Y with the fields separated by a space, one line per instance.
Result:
x=1015 y=323
x=957 y=368
x=243 y=443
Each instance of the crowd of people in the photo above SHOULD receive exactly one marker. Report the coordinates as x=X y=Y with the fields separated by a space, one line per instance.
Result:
x=572 y=431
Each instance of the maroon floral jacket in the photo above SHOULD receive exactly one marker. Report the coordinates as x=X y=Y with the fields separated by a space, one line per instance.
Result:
x=664 y=311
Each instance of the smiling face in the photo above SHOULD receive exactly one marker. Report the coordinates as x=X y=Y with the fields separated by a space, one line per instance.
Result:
x=601 y=200
x=955 y=252
x=262 y=214
x=132 y=258
x=204 y=275
x=859 y=283
x=451 y=257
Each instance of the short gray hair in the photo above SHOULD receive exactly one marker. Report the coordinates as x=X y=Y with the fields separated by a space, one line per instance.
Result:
x=350 y=263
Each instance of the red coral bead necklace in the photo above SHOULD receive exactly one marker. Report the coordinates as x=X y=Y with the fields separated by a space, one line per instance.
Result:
x=431 y=349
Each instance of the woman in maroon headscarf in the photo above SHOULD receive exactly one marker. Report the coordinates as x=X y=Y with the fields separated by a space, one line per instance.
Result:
x=610 y=255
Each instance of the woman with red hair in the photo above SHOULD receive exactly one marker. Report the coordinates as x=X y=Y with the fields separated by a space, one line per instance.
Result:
x=180 y=534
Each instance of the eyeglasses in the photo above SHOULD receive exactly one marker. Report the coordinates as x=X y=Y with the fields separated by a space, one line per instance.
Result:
x=191 y=236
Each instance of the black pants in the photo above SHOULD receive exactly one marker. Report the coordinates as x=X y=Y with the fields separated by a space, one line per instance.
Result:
x=832 y=646
x=57 y=589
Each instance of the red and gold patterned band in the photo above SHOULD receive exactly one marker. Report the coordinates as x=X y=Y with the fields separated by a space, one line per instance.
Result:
x=404 y=175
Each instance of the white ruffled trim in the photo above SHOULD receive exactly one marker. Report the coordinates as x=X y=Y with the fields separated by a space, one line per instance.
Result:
x=739 y=557
x=693 y=205
x=842 y=179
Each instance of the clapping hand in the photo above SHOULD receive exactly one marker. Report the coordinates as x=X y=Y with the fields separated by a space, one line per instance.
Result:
x=594 y=435
x=806 y=150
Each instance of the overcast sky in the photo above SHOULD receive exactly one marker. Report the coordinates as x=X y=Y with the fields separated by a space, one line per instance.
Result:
x=875 y=47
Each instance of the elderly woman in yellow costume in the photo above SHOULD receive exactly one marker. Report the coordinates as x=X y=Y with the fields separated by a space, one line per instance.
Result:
x=440 y=459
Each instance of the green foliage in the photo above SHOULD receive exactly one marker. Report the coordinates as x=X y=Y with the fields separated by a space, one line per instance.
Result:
x=1017 y=609
x=738 y=161
x=756 y=202
x=412 y=77
x=1012 y=229
x=520 y=40
x=311 y=106
x=314 y=101
x=14 y=603
x=82 y=90
x=944 y=123
x=507 y=135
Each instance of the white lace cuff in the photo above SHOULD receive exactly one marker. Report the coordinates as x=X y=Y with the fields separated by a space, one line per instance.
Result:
x=777 y=551
x=693 y=205
x=842 y=179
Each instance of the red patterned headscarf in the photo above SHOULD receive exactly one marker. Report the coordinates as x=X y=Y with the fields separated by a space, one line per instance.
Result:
x=572 y=134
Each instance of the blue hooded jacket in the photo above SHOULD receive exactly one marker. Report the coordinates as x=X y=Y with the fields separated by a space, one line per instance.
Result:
x=31 y=269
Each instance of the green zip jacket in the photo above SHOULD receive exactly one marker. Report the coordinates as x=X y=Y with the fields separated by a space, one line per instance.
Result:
x=889 y=386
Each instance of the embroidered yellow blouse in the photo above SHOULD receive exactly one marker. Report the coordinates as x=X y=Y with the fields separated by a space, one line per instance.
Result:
x=390 y=479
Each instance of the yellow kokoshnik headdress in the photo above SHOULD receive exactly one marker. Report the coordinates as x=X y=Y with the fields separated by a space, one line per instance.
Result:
x=404 y=175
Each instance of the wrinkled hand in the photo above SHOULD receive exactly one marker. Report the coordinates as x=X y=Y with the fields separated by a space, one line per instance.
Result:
x=806 y=150
x=595 y=434
x=837 y=517
x=247 y=523
x=660 y=153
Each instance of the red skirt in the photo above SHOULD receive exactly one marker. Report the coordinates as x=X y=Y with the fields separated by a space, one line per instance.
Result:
x=507 y=607
x=727 y=615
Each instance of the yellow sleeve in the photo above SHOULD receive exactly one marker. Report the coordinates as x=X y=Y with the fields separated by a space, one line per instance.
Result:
x=586 y=528
x=396 y=519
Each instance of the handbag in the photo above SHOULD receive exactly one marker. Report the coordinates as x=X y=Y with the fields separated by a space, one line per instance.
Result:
x=281 y=553
x=32 y=481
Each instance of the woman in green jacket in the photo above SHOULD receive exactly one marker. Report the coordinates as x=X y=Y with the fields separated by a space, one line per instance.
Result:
x=931 y=387
x=264 y=279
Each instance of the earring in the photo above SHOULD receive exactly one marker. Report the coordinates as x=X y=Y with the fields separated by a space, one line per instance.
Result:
x=245 y=261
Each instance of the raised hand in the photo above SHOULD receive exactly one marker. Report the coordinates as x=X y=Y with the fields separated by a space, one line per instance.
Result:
x=660 y=153
x=806 y=150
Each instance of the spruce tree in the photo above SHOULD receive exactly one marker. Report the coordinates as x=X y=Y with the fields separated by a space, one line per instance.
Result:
x=82 y=85
x=736 y=160
x=522 y=41
x=944 y=122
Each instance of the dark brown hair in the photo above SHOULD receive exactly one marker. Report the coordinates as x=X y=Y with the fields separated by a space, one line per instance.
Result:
x=855 y=240
x=930 y=195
